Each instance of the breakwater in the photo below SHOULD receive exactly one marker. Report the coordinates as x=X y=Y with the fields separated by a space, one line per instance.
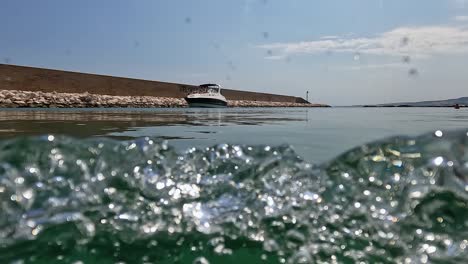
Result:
x=21 y=78
x=24 y=99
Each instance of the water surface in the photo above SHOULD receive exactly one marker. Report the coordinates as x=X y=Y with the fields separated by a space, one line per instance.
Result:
x=66 y=200
x=279 y=185
x=317 y=134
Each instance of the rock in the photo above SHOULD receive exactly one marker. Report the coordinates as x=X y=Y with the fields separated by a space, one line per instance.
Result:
x=6 y=101
x=86 y=97
x=19 y=102
x=12 y=98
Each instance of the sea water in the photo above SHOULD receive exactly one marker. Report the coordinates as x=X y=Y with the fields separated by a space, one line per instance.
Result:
x=230 y=186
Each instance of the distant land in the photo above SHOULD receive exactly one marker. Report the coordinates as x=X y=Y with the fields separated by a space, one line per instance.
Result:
x=462 y=102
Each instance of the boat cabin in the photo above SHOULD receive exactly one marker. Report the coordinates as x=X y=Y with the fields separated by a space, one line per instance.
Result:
x=210 y=88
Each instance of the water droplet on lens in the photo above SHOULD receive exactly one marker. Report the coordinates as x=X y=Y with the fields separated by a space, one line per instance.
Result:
x=404 y=41
x=406 y=59
x=231 y=65
x=216 y=46
x=413 y=72
x=357 y=56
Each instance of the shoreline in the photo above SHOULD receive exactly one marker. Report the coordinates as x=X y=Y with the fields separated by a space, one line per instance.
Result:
x=29 y=99
x=412 y=106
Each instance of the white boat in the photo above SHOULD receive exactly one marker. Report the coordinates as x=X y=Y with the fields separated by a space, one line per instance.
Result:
x=208 y=96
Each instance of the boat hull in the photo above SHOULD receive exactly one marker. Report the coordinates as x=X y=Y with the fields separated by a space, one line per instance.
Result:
x=206 y=102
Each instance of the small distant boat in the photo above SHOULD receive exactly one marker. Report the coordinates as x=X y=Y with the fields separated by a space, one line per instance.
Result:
x=208 y=96
x=456 y=106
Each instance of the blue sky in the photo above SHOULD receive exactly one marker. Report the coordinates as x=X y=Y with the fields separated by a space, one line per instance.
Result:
x=343 y=52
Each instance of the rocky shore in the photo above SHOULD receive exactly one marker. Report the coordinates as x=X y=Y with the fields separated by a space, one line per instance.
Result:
x=27 y=99
x=233 y=103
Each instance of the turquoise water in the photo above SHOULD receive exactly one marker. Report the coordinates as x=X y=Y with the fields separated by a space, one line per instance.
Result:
x=102 y=197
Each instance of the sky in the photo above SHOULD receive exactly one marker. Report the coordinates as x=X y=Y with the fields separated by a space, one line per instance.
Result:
x=343 y=52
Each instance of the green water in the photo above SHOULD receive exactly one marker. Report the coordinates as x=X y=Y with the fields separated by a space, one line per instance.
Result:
x=102 y=197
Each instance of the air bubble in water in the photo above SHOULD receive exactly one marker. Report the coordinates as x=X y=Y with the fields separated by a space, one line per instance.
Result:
x=201 y=260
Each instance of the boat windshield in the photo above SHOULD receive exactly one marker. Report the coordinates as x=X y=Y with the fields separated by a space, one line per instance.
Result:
x=213 y=90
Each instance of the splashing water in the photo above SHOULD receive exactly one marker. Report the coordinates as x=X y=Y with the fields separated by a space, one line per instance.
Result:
x=401 y=200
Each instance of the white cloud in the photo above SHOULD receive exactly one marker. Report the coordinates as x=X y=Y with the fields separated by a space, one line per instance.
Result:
x=459 y=3
x=330 y=37
x=416 y=42
x=275 y=57
x=371 y=66
x=461 y=18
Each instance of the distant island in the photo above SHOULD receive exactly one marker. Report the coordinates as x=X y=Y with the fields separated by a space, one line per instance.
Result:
x=460 y=102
